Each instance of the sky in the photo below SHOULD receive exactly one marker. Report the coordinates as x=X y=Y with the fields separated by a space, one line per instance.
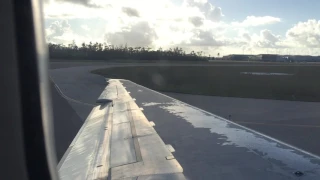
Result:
x=212 y=26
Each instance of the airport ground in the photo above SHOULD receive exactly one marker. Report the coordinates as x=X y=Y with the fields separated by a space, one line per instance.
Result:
x=263 y=81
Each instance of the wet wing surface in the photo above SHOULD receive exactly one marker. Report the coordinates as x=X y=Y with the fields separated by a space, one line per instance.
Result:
x=294 y=122
x=210 y=147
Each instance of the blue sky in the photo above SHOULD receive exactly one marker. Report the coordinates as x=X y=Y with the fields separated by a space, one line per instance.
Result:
x=228 y=26
x=290 y=11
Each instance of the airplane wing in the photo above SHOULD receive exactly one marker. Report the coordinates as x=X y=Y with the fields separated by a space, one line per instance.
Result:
x=138 y=133
x=117 y=139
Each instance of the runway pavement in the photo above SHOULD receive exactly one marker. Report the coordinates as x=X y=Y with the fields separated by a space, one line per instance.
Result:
x=66 y=122
x=66 y=64
x=74 y=92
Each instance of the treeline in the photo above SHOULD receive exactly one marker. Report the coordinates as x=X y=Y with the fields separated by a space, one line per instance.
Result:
x=99 y=51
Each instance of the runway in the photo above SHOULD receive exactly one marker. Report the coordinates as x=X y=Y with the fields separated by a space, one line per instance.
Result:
x=66 y=64
x=73 y=93
x=66 y=122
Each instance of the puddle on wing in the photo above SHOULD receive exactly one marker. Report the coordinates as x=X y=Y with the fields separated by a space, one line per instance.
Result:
x=266 y=74
x=151 y=104
x=234 y=135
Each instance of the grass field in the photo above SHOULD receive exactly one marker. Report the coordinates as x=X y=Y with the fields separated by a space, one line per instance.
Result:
x=226 y=81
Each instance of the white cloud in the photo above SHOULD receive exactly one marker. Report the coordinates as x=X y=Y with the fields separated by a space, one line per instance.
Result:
x=303 y=38
x=257 y=21
x=305 y=34
x=267 y=39
x=138 y=34
x=69 y=37
x=130 y=11
x=211 y=12
x=62 y=33
x=196 y=21
x=205 y=38
x=86 y=3
x=85 y=27
x=246 y=37
x=263 y=42
x=194 y=24
x=69 y=10
x=57 y=28
x=215 y=13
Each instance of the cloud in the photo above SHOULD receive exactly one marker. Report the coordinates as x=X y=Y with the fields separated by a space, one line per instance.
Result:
x=67 y=10
x=57 y=28
x=69 y=37
x=165 y=26
x=194 y=24
x=266 y=39
x=58 y=16
x=215 y=13
x=204 y=38
x=210 y=12
x=305 y=34
x=87 y=3
x=130 y=12
x=269 y=36
x=257 y=21
x=196 y=21
x=61 y=32
x=246 y=36
x=85 y=27
x=138 y=34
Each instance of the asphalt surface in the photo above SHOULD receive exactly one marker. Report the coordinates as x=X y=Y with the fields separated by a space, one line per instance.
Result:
x=73 y=94
x=66 y=64
x=66 y=122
